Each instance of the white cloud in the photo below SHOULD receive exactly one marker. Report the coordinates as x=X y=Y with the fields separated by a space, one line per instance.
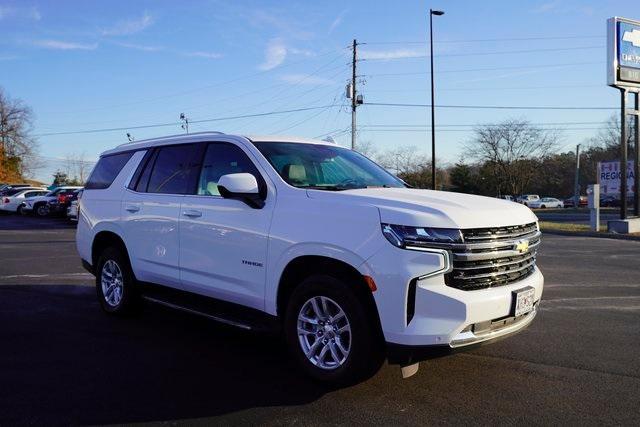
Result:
x=31 y=13
x=336 y=22
x=129 y=26
x=200 y=54
x=305 y=79
x=392 y=54
x=62 y=45
x=140 y=47
x=546 y=7
x=275 y=54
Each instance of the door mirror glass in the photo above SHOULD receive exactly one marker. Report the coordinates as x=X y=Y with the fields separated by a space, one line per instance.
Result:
x=241 y=186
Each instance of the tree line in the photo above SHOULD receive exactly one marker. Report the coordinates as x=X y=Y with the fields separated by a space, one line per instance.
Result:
x=512 y=157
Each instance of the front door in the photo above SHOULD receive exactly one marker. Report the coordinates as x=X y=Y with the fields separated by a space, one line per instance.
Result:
x=223 y=242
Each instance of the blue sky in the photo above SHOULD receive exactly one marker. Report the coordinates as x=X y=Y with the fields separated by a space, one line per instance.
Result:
x=85 y=65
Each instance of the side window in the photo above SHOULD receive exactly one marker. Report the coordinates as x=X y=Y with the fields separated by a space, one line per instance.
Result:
x=222 y=159
x=174 y=170
x=140 y=178
x=106 y=170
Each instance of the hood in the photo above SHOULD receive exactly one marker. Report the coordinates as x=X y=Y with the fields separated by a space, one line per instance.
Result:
x=429 y=208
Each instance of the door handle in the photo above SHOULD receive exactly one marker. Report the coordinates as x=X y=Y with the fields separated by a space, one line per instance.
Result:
x=192 y=213
x=132 y=208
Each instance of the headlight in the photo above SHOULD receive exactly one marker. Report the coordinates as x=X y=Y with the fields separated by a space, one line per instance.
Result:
x=403 y=236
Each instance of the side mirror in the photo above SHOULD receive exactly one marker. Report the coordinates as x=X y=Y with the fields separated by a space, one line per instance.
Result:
x=241 y=186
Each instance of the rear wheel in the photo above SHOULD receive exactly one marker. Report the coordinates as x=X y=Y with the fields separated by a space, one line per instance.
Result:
x=115 y=283
x=19 y=210
x=42 y=210
x=543 y=207
x=329 y=332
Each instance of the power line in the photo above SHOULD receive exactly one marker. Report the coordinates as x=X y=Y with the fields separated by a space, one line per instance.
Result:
x=501 y=52
x=488 y=107
x=480 y=124
x=463 y=70
x=471 y=130
x=489 y=40
x=269 y=113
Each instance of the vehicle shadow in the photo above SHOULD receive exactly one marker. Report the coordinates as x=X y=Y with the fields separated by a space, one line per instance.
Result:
x=66 y=362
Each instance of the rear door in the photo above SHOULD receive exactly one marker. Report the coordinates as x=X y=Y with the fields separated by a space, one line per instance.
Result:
x=223 y=242
x=151 y=210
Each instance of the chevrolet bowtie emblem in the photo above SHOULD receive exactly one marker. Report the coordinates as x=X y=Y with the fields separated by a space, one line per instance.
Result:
x=522 y=246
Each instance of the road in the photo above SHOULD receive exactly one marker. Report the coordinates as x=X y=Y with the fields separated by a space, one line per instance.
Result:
x=65 y=362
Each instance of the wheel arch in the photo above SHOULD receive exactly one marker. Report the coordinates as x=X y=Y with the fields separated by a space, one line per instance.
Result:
x=103 y=240
x=305 y=266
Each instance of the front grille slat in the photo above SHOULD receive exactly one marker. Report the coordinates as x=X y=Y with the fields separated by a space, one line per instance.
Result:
x=491 y=257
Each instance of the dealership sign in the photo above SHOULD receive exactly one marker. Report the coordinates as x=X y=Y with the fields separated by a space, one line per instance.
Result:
x=609 y=177
x=623 y=52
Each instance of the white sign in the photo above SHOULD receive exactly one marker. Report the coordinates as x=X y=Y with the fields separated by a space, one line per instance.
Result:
x=609 y=177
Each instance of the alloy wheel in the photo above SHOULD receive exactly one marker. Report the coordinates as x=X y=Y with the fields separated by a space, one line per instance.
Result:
x=324 y=332
x=112 y=283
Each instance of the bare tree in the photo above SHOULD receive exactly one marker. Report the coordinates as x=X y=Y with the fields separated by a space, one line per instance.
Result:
x=403 y=160
x=17 y=147
x=510 y=150
x=366 y=148
x=77 y=166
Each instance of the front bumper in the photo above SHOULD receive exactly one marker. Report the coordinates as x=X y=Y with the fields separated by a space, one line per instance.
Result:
x=417 y=309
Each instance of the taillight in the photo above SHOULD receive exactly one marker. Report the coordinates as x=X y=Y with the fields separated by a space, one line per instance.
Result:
x=6 y=200
x=61 y=198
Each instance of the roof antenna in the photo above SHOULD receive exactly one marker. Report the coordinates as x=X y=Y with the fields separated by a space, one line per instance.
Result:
x=185 y=124
x=130 y=137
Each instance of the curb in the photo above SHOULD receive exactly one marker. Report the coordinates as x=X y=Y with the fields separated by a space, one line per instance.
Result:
x=601 y=235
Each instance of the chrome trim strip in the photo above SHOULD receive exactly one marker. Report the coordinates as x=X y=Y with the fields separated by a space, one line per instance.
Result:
x=496 y=262
x=532 y=231
x=480 y=256
x=494 y=273
x=471 y=246
x=469 y=338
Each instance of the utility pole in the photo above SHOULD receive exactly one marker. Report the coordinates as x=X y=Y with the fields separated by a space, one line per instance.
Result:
x=576 y=184
x=354 y=103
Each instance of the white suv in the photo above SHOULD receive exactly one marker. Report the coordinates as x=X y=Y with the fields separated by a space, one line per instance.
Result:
x=311 y=238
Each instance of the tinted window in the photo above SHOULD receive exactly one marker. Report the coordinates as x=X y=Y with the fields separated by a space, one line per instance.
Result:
x=106 y=170
x=222 y=159
x=174 y=170
x=145 y=173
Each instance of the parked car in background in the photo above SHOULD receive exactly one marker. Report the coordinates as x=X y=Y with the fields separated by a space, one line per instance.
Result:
x=40 y=205
x=525 y=199
x=507 y=197
x=12 y=202
x=60 y=204
x=570 y=202
x=546 y=202
x=4 y=188
x=72 y=211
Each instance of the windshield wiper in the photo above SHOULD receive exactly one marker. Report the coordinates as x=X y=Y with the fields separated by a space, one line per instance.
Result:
x=324 y=187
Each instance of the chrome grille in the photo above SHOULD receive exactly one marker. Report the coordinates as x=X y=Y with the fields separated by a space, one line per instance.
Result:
x=490 y=257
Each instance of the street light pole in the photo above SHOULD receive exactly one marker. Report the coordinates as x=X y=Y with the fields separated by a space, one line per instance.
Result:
x=433 y=111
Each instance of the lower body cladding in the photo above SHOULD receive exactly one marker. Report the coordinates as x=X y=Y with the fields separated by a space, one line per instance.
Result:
x=423 y=317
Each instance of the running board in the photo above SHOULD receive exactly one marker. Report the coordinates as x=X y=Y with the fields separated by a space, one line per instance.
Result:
x=239 y=316
x=198 y=313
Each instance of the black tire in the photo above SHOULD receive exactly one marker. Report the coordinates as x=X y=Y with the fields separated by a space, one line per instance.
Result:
x=129 y=302
x=19 y=211
x=543 y=207
x=366 y=353
x=41 y=210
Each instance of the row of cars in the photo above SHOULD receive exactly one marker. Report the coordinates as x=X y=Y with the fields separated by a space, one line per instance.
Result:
x=534 y=201
x=26 y=199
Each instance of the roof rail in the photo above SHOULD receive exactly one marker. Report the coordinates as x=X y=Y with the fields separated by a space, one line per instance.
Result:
x=160 y=138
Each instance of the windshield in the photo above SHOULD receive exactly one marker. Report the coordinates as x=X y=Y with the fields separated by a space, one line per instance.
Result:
x=324 y=167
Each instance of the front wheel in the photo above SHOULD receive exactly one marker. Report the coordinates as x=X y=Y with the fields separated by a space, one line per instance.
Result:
x=330 y=333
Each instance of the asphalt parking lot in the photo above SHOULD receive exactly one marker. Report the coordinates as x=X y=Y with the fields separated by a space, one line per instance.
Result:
x=64 y=362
